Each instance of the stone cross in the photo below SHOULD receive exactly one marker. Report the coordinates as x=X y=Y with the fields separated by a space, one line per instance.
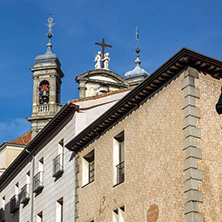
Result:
x=103 y=44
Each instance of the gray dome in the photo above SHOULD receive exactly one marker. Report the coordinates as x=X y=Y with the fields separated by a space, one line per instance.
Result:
x=137 y=72
x=48 y=57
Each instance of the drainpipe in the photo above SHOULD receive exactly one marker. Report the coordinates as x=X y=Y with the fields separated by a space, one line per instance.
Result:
x=32 y=185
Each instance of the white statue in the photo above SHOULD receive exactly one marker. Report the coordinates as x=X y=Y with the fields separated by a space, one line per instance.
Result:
x=98 y=59
x=106 y=60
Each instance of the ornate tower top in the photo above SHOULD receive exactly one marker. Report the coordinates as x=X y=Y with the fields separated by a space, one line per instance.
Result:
x=50 y=34
x=47 y=76
x=48 y=56
x=138 y=74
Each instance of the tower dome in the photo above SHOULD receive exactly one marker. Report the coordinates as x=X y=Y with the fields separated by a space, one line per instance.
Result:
x=137 y=75
x=48 y=57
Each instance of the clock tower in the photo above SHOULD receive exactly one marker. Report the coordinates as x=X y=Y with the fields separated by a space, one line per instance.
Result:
x=47 y=76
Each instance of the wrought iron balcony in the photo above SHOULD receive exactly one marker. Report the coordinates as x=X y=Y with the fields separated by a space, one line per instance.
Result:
x=14 y=204
x=25 y=194
x=58 y=165
x=120 y=172
x=38 y=182
x=2 y=215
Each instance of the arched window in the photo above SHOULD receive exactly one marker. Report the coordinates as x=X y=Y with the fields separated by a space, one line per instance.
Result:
x=44 y=92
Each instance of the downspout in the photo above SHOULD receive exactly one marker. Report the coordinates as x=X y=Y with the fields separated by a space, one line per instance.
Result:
x=32 y=185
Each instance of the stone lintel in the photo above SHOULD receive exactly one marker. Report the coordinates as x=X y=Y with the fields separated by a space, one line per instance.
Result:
x=190 y=163
x=191 y=91
x=189 y=121
x=194 y=217
x=192 y=131
x=189 y=142
x=193 y=152
x=188 y=101
x=194 y=195
x=191 y=72
x=192 y=111
x=194 y=174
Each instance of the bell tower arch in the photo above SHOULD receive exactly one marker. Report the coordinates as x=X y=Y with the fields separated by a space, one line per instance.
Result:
x=47 y=76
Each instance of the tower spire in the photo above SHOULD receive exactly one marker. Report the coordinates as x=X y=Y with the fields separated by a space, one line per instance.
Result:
x=49 y=34
x=137 y=37
x=137 y=75
x=137 y=61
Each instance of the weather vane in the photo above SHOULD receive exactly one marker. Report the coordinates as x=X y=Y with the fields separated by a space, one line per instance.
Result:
x=137 y=37
x=50 y=24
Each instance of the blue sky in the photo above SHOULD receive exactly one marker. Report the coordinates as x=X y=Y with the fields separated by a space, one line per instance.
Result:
x=164 y=27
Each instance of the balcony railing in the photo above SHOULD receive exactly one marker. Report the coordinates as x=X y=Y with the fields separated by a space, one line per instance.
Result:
x=2 y=215
x=120 y=172
x=25 y=194
x=14 y=204
x=38 y=182
x=58 y=165
x=43 y=108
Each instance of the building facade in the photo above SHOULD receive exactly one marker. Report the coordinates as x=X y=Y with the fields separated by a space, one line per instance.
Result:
x=156 y=156
x=39 y=184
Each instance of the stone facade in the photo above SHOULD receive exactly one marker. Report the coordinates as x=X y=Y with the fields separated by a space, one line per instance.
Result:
x=154 y=161
x=172 y=157
x=42 y=112
x=210 y=143
x=99 y=81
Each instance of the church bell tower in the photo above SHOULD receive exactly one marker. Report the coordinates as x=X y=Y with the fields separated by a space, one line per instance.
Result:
x=47 y=76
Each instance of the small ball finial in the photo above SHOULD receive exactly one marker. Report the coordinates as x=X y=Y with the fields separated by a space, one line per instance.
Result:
x=137 y=50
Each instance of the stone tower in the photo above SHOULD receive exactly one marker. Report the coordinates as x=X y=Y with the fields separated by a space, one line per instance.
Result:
x=47 y=76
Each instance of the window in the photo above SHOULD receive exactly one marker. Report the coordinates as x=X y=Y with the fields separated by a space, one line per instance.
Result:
x=38 y=178
x=58 y=161
x=118 y=214
x=118 y=159
x=59 y=210
x=88 y=168
x=2 y=210
x=39 y=217
x=25 y=190
x=14 y=201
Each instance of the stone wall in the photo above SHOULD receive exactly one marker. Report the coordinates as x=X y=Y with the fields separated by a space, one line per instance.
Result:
x=210 y=144
x=154 y=161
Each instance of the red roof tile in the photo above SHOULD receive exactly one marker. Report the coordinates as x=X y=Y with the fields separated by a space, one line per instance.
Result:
x=100 y=96
x=24 y=139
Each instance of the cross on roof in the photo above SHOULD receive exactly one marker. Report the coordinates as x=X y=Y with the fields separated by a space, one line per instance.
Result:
x=103 y=44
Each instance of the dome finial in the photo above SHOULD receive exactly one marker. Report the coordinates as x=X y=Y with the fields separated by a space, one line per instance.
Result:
x=137 y=37
x=136 y=75
x=137 y=61
x=48 y=56
x=50 y=34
